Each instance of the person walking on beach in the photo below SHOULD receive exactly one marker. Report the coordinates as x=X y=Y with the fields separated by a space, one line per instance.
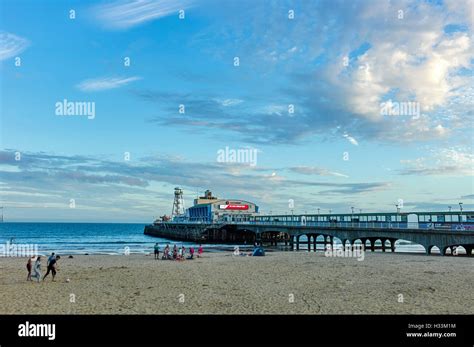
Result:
x=200 y=251
x=52 y=267
x=37 y=269
x=180 y=253
x=29 y=267
x=166 y=252
x=51 y=257
x=157 y=251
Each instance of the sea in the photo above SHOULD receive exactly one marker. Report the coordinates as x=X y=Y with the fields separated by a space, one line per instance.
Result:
x=103 y=238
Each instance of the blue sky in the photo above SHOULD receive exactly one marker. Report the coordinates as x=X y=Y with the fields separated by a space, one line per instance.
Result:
x=335 y=62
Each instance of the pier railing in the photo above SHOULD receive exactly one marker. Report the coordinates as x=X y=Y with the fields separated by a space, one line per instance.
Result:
x=345 y=225
x=366 y=225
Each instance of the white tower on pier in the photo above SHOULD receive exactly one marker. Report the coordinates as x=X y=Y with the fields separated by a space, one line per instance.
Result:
x=178 y=203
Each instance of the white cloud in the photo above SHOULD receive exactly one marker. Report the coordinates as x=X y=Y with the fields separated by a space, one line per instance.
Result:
x=11 y=45
x=105 y=83
x=293 y=49
x=351 y=139
x=278 y=110
x=416 y=128
x=441 y=162
x=229 y=102
x=440 y=130
x=412 y=56
x=313 y=170
x=127 y=14
x=460 y=11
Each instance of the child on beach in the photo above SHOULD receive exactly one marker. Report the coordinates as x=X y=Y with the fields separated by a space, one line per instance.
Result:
x=37 y=270
x=166 y=252
x=200 y=251
x=28 y=267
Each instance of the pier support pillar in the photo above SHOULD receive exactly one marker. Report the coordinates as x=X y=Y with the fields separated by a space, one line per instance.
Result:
x=383 y=244
x=297 y=243
x=468 y=250
x=392 y=245
x=343 y=244
x=309 y=242
x=372 y=245
x=315 y=237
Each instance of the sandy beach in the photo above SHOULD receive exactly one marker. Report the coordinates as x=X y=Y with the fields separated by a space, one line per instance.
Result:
x=219 y=283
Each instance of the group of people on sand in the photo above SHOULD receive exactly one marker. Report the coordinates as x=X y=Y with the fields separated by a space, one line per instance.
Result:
x=33 y=266
x=178 y=253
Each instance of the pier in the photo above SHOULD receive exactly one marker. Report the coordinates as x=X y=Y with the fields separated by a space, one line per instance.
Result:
x=444 y=230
